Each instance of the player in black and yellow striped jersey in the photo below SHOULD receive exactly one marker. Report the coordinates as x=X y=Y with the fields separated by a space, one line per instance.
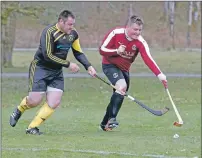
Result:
x=45 y=72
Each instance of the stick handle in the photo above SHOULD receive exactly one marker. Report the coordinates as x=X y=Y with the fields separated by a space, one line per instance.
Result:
x=107 y=83
x=174 y=107
x=102 y=80
x=130 y=97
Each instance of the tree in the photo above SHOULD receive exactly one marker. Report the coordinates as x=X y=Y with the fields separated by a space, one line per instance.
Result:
x=171 y=22
x=189 y=23
x=9 y=11
x=165 y=11
x=196 y=14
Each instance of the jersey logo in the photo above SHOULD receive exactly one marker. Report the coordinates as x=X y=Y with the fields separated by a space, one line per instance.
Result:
x=64 y=37
x=71 y=38
x=63 y=46
x=134 y=47
x=115 y=75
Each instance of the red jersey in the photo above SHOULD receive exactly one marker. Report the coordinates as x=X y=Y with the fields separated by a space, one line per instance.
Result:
x=117 y=37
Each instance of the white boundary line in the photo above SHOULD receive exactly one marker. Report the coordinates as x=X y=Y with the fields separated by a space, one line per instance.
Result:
x=91 y=151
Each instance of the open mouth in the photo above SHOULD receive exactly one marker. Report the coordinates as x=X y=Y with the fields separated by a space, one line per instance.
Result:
x=135 y=36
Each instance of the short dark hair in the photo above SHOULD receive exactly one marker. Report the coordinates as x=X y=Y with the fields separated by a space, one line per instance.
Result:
x=65 y=14
x=135 y=19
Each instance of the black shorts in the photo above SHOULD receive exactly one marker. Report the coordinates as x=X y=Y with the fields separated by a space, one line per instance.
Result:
x=114 y=74
x=41 y=77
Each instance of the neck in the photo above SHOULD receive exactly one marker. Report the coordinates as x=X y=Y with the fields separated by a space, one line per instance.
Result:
x=58 y=27
x=127 y=36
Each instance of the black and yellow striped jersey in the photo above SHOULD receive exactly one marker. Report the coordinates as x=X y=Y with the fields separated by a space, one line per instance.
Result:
x=54 y=47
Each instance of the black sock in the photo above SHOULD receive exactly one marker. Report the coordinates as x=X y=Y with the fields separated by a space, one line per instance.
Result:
x=116 y=102
x=113 y=107
x=106 y=117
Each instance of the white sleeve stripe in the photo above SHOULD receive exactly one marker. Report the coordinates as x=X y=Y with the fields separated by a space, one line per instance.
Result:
x=108 y=50
x=108 y=39
x=147 y=51
x=106 y=42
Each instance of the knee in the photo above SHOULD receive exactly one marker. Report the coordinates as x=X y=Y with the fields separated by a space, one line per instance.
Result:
x=124 y=89
x=54 y=103
x=33 y=101
x=121 y=84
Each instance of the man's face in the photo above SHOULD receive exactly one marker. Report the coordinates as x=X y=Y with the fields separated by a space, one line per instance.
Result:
x=134 y=31
x=67 y=25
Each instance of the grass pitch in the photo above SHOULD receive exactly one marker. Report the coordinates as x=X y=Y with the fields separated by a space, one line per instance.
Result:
x=72 y=131
x=168 y=61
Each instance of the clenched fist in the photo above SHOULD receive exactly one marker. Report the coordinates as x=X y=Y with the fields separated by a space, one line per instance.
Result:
x=91 y=71
x=163 y=79
x=121 y=49
x=74 y=67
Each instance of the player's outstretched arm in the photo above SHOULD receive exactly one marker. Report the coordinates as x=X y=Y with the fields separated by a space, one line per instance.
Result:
x=149 y=61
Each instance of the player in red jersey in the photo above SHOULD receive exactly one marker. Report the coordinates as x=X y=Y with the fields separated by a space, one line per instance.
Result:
x=119 y=49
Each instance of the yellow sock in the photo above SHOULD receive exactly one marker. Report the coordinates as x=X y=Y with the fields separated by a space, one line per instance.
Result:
x=23 y=105
x=44 y=112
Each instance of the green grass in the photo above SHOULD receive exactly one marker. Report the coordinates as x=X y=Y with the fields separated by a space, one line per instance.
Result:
x=168 y=61
x=74 y=125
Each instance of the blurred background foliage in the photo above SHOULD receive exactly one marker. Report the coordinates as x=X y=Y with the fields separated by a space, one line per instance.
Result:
x=167 y=24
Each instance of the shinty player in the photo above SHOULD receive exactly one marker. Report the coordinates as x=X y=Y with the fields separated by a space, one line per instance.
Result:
x=119 y=49
x=45 y=72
